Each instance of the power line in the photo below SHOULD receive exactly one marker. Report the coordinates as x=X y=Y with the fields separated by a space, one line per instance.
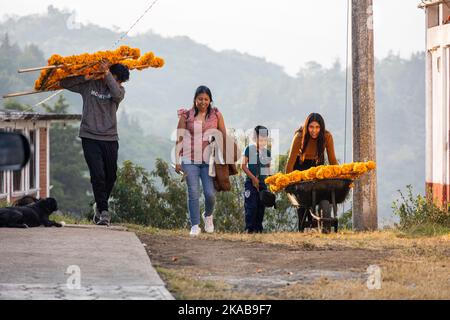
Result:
x=346 y=87
x=135 y=23
x=48 y=98
x=346 y=80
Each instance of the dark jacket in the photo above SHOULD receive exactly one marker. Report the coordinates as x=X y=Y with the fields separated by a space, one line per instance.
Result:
x=101 y=100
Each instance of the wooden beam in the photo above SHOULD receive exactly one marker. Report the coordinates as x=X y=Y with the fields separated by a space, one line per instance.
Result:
x=24 y=93
x=40 y=68
x=58 y=66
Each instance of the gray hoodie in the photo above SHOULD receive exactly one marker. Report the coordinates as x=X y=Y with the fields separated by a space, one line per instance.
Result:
x=101 y=100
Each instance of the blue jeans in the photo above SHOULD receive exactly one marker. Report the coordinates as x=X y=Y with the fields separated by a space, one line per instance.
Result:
x=195 y=173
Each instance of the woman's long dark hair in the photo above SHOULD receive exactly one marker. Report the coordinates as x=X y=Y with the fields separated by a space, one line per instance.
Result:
x=199 y=91
x=314 y=117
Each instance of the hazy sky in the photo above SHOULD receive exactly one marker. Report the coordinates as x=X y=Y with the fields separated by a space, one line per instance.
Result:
x=286 y=32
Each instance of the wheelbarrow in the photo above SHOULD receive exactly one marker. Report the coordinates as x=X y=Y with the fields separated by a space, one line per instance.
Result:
x=316 y=202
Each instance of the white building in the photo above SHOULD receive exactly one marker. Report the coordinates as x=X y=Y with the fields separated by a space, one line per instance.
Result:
x=437 y=13
x=34 y=178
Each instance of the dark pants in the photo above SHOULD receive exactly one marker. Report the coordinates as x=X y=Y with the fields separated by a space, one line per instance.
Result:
x=254 y=208
x=305 y=165
x=101 y=158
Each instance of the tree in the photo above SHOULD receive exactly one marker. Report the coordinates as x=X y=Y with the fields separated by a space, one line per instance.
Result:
x=13 y=105
x=9 y=54
x=172 y=199
x=12 y=57
x=60 y=107
x=134 y=197
x=137 y=199
x=140 y=147
x=229 y=210
x=68 y=170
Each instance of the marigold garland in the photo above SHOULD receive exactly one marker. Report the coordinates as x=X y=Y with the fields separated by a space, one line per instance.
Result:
x=349 y=171
x=86 y=63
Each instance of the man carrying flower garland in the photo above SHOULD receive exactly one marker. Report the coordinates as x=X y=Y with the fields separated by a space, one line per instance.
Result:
x=101 y=92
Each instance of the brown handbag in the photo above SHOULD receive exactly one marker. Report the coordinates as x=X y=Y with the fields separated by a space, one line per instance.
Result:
x=222 y=179
x=232 y=170
x=224 y=171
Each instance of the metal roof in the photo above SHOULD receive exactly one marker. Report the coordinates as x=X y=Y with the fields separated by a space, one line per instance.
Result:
x=427 y=3
x=7 y=116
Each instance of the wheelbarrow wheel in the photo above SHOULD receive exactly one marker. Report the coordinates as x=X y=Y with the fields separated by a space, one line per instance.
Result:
x=325 y=212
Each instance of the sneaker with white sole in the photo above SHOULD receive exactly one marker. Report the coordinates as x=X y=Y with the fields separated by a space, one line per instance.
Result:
x=105 y=218
x=209 y=224
x=195 y=231
x=96 y=217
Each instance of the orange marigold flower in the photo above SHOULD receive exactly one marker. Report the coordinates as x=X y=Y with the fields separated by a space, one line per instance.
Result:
x=336 y=170
x=311 y=173
x=295 y=176
x=320 y=174
x=85 y=63
x=349 y=171
x=272 y=179
x=347 y=168
x=359 y=168
x=328 y=172
x=371 y=165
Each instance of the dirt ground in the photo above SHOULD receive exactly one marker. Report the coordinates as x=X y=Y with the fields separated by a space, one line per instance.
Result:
x=295 y=266
x=256 y=267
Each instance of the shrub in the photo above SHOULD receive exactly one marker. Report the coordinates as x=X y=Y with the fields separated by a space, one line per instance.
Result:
x=419 y=211
x=136 y=197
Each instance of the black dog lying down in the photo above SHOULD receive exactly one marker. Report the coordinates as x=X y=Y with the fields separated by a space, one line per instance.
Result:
x=24 y=201
x=31 y=215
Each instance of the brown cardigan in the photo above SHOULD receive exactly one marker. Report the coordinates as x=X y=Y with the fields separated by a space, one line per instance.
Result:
x=311 y=150
x=224 y=171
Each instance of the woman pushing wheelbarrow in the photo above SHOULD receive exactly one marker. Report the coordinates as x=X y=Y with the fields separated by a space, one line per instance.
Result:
x=314 y=188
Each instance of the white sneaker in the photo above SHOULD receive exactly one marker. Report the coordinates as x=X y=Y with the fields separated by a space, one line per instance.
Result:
x=96 y=217
x=195 y=231
x=209 y=224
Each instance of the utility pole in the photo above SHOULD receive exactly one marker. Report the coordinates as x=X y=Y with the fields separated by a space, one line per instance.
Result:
x=364 y=137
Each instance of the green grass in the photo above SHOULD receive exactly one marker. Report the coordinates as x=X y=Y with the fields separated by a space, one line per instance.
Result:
x=427 y=230
x=70 y=219
x=4 y=204
x=184 y=286
x=416 y=231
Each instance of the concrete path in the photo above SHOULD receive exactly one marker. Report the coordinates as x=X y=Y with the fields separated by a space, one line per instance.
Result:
x=76 y=263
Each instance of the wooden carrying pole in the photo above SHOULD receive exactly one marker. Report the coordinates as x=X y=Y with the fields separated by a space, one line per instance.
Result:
x=56 y=66
x=41 y=68
x=25 y=93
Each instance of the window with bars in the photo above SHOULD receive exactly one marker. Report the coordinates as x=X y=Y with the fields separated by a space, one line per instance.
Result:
x=18 y=176
x=27 y=178
x=33 y=164
x=2 y=182
x=2 y=176
x=433 y=16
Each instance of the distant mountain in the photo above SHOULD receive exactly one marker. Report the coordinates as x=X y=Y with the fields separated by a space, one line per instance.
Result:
x=249 y=91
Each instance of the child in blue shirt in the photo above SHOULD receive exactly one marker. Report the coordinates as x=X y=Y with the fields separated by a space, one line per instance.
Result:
x=256 y=165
